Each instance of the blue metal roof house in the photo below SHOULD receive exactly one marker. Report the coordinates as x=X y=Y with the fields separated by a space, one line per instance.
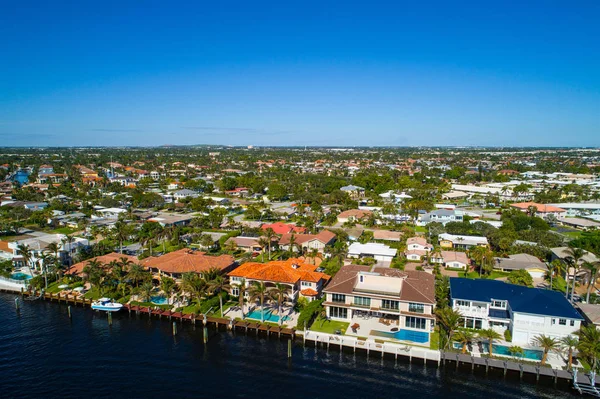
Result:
x=526 y=312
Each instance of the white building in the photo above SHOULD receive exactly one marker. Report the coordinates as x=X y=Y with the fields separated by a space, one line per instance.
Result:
x=525 y=312
x=379 y=252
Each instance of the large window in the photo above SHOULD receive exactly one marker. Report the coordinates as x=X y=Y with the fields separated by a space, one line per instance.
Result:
x=388 y=304
x=463 y=303
x=416 y=308
x=235 y=291
x=362 y=301
x=415 y=322
x=306 y=284
x=340 y=298
x=562 y=322
x=498 y=304
x=473 y=323
x=340 y=313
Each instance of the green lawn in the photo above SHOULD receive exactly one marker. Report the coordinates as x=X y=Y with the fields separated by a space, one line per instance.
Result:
x=434 y=340
x=329 y=326
x=420 y=229
x=492 y=276
x=64 y=230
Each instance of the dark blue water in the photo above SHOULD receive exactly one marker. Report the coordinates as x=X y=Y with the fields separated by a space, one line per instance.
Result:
x=44 y=355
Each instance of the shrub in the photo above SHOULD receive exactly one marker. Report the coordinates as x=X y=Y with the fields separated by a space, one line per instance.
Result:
x=309 y=312
x=507 y=336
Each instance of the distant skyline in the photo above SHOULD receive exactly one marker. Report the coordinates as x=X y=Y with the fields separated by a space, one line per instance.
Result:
x=120 y=73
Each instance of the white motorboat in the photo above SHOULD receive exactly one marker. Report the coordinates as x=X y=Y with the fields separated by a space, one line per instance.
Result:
x=107 y=305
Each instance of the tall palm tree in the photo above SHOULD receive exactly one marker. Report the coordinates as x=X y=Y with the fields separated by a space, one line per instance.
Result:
x=168 y=285
x=69 y=239
x=241 y=292
x=53 y=248
x=547 y=344
x=551 y=267
x=26 y=254
x=490 y=335
x=279 y=294
x=45 y=259
x=592 y=268
x=146 y=290
x=264 y=243
x=589 y=345
x=292 y=244
x=121 y=233
x=573 y=257
x=258 y=290
x=449 y=319
x=568 y=344
x=270 y=234
x=217 y=286
x=464 y=337
x=194 y=286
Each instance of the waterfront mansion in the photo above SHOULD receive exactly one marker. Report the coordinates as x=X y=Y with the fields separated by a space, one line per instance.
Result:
x=525 y=312
x=383 y=302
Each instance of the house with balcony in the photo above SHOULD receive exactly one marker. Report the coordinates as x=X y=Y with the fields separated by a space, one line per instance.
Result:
x=302 y=279
x=451 y=259
x=176 y=263
x=525 y=312
x=389 y=303
x=38 y=246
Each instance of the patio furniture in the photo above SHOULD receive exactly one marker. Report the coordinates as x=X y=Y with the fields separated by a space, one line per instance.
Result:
x=394 y=329
x=355 y=327
x=337 y=332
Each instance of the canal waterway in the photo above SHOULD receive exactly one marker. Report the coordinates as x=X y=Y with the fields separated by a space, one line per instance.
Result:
x=43 y=354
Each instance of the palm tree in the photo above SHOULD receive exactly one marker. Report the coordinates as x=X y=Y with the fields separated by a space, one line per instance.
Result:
x=45 y=258
x=257 y=291
x=551 y=266
x=278 y=294
x=589 y=345
x=270 y=234
x=241 y=292
x=592 y=268
x=516 y=351
x=292 y=244
x=146 y=290
x=464 y=337
x=69 y=239
x=264 y=243
x=53 y=248
x=217 y=286
x=574 y=256
x=490 y=335
x=568 y=344
x=194 y=285
x=121 y=232
x=168 y=285
x=450 y=320
x=546 y=343
x=26 y=254
x=137 y=273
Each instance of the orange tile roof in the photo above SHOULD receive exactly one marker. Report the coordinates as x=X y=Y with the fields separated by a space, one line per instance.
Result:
x=309 y=292
x=356 y=213
x=282 y=228
x=186 y=260
x=77 y=268
x=542 y=208
x=286 y=271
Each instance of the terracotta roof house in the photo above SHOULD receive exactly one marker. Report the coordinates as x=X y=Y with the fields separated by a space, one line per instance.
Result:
x=174 y=264
x=303 y=279
x=542 y=209
x=353 y=215
x=282 y=228
x=417 y=248
x=308 y=241
x=248 y=244
x=395 y=304
x=386 y=235
x=77 y=268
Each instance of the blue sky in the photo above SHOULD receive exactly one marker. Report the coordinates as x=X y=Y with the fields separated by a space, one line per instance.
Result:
x=314 y=73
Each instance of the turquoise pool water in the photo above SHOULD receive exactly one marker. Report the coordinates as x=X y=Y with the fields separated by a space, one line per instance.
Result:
x=159 y=300
x=20 y=276
x=531 y=354
x=269 y=316
x=404 y=335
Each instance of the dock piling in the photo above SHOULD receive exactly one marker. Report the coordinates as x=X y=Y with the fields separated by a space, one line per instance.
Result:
x=205 y=334
x=69 y=311
x=174 y=328
x=17 y=306
x=289 y=348
x=109 y=318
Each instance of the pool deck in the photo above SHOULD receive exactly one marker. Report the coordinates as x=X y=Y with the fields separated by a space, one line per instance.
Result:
x=235 y=312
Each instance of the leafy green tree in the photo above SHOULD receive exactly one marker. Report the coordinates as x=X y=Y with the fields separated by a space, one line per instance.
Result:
x=520 y=277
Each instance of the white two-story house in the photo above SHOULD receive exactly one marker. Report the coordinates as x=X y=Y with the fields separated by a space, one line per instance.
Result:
x=525 y=312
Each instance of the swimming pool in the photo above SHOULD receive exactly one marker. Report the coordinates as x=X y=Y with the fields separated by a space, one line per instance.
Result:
x=404 y=335
x=20 y=276
x=503 y=350
x=159 y=300
x=269 y=316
